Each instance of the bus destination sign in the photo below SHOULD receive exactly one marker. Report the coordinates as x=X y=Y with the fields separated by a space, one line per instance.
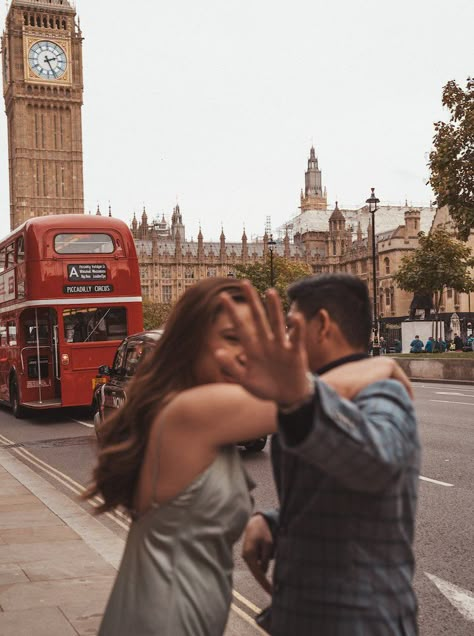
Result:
x=88 y=289
x=87 y=271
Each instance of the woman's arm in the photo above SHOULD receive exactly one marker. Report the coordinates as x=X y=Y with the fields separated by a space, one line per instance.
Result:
x=350 y=379
x=219 y=414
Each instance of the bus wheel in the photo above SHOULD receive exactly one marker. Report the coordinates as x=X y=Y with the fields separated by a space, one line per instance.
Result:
x=18 y=410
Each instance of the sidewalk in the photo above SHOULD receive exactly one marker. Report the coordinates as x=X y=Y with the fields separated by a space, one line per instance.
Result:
x=57 y=562
x=52 y=582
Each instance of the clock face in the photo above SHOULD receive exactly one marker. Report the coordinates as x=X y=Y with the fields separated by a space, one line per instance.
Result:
x=47 y=60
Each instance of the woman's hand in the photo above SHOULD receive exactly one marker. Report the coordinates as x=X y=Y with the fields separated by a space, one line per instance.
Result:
x=350 y=379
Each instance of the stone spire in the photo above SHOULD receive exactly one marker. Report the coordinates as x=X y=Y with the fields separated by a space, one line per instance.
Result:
x=110 y=211
x=245 y=247
x=359 y=232
x=222 y=250
x=98 y=213
x=286 y=244
x=200 y=244
x=178 y=245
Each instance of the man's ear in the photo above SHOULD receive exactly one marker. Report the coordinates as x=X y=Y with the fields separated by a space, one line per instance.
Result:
x=322 y=325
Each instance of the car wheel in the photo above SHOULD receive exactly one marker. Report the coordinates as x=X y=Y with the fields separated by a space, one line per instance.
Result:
x=18 y=410
x=256 y=445
x=98 y=422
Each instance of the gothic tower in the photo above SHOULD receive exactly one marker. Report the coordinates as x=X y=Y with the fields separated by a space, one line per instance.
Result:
x=42 y=87
x=314 y=198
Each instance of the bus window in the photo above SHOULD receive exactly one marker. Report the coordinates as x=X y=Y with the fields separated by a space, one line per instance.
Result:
x=83 y=244
x=10 y=256
x=30 y=333
x=3 y=336
x=11 y=327
x=93 y=324
x=20 y=249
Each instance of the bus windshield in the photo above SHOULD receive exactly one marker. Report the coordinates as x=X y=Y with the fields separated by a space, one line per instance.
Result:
x=91 y=324
x=83 y=244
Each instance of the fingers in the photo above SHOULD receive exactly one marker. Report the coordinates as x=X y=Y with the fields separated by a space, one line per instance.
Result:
x=263 y=330
x=258 y=568
x=276 y=317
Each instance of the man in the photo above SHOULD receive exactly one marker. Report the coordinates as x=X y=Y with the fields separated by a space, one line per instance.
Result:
x=429 y=345
x=346 y=472
x=416 y=345
x=458 y=343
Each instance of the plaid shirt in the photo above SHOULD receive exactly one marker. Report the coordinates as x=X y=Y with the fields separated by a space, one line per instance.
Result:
x=344 y=533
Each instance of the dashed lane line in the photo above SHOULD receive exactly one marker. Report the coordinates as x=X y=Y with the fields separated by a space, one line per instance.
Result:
x=435 y=481
x=451 y=402
x=82 y=423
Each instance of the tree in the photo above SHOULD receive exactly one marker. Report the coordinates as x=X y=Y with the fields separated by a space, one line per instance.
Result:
x=439 y=262
x=155 y=314
x=285 y=272
x=452 y=159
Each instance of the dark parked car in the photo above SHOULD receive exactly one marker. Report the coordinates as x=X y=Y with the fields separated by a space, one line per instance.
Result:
x=110 y=385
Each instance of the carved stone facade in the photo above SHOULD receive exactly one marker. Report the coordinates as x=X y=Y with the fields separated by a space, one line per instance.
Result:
x=328 y=240
x=43 y=87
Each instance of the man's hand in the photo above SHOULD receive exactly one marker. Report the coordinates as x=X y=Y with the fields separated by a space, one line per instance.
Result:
x=257 y=550
x=275 y=365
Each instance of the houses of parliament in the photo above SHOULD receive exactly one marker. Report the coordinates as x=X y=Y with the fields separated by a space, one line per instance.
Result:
x=43 y=92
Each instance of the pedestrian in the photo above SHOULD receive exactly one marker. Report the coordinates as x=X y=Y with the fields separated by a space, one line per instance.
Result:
x=458 y=343
x=346 y=472
x=397 y=345
x=442 y=345
x=168 y=458
x=429 y=345
x=383 y=345
x=416 y=345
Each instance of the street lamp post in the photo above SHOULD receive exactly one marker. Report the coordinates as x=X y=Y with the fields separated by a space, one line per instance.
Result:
x=372 y=203
x=271 y=247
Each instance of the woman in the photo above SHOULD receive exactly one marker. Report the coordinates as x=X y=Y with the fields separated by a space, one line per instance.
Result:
x=168 y=458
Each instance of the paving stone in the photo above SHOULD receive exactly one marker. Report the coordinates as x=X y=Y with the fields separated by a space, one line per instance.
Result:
x=84 y=615
x=17 y=500
x=50 y=534
x=44 y=621
x=54 y=593
x=66 y=551
x=27 y=518
x=11 y=573
x=60 y=568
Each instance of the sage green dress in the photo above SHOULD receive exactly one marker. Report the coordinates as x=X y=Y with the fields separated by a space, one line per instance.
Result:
x=175 y=578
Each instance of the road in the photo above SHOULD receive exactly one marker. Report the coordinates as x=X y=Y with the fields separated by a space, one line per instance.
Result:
x=61 y=447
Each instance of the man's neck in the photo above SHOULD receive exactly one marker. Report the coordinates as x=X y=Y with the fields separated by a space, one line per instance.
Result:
x=333 y=355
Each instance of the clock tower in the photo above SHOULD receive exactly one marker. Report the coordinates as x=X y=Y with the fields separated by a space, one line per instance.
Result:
x=42 y=87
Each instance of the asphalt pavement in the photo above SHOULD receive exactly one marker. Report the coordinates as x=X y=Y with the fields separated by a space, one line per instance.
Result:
x=60 y=449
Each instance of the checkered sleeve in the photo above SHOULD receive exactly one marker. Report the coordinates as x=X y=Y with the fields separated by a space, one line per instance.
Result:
x=363 y=444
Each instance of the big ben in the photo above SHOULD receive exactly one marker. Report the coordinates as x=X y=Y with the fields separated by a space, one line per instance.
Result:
x=43 y=88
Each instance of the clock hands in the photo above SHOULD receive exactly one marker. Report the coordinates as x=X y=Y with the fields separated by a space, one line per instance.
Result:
x=48 y=61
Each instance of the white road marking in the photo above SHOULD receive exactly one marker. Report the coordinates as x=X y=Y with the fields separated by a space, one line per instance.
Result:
x=454 y=393
x=451 y=402
x=463 y=600
x=435 y=481
x=82 y=423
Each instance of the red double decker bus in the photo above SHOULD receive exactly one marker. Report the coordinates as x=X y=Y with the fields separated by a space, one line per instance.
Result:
x=69 y=293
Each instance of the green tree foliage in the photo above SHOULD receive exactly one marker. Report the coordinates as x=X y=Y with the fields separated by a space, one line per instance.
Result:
x=439 y=262
x=155 y=314
x=285 y=272
x=452 y=159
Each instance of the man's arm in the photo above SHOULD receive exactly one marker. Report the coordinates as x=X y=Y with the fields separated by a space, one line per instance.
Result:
x=363 y=444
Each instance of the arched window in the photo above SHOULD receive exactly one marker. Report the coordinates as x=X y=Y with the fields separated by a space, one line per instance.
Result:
x=38 y=20
x=25 y=19
x=386 y=262
x=58 y=24
x=45 y=21
x=32 y=20
x=387 y=297
x=64 y=25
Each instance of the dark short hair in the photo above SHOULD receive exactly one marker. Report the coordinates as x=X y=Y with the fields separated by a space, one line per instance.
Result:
x=344 y=297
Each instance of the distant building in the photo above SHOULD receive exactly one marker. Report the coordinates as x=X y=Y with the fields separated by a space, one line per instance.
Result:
x=328 y=240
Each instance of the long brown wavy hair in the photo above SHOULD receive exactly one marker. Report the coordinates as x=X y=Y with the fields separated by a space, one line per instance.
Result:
x=166 y=371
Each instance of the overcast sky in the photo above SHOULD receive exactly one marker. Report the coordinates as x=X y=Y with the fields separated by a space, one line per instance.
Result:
x=215 y=103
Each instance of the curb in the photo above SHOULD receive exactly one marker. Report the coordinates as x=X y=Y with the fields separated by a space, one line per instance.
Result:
x=440 y=381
